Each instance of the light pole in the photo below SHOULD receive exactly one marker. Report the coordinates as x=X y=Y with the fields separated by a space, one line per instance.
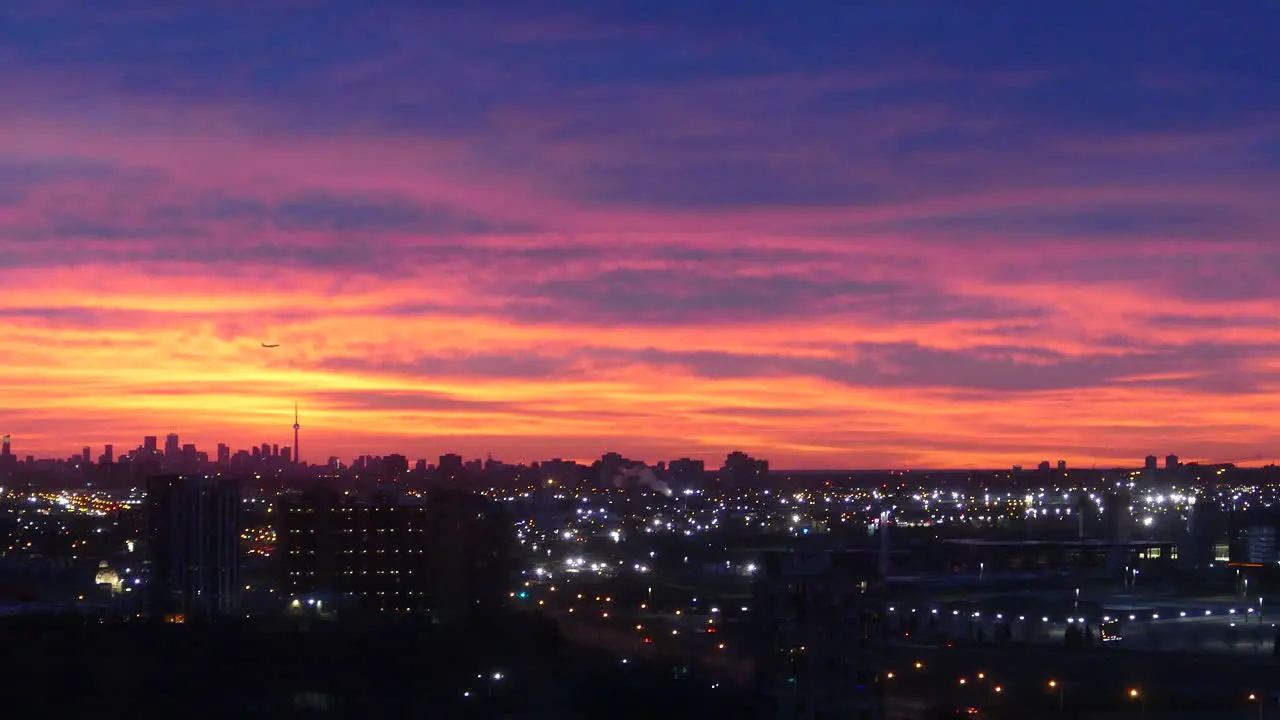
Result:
x=1062 y=698
x=1262 y=703
x=1136 y=694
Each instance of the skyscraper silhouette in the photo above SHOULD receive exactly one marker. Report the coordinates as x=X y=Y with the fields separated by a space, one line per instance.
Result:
x=297 y=449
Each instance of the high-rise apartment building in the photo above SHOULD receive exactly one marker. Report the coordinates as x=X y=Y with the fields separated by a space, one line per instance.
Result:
x=448 y=556
x=819 y=635
x=740 y=470
x=172 y=449
x=193 y=546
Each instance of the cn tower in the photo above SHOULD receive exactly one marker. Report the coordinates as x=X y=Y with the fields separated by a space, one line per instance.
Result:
x=297 y=456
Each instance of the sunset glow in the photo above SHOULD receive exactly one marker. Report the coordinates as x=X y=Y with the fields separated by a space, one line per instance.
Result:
x=565 y=233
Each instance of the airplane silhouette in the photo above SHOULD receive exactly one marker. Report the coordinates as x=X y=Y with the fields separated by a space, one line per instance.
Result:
x=269 y=346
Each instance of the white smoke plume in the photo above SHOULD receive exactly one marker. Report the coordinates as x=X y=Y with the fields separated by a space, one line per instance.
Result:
x=642 y=475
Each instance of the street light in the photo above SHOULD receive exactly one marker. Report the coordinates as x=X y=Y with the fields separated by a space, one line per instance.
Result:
x=1136 y=694
x=1061 y=690
x=1262 y=704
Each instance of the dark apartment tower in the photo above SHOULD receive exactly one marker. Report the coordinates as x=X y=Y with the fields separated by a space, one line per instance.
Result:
x=171 y=447
x=1062 y=466
x=149 y=444
x=817 y=634
x=1171 y=462
x=687 y=473
x=86 y=456
x=6 y=447
x=286 y=455
x=193 y=546
x=449 y=557
x=743 y=471
x=275 y=450
x=451 y=470
x=224 y=454
x=1117 y=521
x=109 y=455
x=471 y=556
x=266 y=450
x=373 y=552
x=1152 y=462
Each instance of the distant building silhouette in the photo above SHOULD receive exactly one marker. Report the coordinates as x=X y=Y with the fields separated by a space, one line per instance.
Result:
x=686 y=473
x=740 y=470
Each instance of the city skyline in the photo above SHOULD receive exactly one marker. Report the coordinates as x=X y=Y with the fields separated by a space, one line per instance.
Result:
x=212 y=449
x=864 y=236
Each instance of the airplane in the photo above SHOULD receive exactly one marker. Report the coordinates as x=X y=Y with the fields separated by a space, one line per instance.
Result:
x=269 y=346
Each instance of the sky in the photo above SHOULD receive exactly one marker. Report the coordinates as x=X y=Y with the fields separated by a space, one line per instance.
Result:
x=855 y=234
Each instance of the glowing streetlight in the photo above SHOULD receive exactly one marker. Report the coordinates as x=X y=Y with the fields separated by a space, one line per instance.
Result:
x=1136 y=694
x=1058 y=687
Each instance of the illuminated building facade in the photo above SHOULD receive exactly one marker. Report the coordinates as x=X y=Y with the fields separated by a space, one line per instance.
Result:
x=372 y=550
x=444 y=554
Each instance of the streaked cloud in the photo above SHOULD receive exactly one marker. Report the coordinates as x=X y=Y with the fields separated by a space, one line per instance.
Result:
x=850 y=235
